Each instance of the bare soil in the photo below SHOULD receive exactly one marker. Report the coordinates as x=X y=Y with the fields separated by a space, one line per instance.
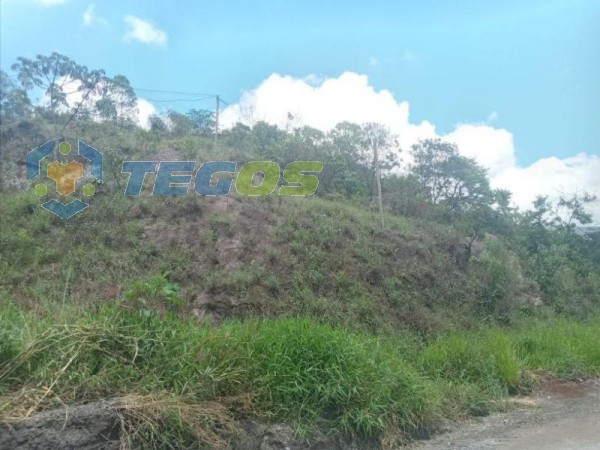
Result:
x=564 y=415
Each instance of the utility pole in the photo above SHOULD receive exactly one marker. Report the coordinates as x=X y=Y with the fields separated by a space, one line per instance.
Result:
x=378 y=176
x=217 y=121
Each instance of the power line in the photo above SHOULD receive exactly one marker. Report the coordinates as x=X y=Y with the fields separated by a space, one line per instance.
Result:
x=197 y=97
x=179 y=99
x=175 y=92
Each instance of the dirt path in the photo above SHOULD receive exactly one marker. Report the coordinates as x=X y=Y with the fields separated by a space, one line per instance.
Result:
x=564 y=416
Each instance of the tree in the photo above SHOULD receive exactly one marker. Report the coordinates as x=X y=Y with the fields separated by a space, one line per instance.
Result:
x=405 y=196
x=157 y=125
x=548 y=223
x=501 y=217
x=118 y=99
x=238 y=137
x=565 y=215
x=305 y=143
x=370 y=146
x=71 y=87
x=453 y=180
x=380 y=144
x=268 y=140
x=203 y=120
x=13 y=100
x=179 y=124
x=501 y=201
x=571 y=211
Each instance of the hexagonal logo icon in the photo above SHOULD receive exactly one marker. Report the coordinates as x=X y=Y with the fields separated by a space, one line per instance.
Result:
x=64 y=178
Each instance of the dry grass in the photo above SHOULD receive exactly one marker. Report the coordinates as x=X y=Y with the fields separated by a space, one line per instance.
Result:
x=144 y=418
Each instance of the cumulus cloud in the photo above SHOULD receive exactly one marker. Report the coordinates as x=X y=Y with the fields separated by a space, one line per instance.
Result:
x=322 y=103
x=143 y=31
x=492 y=147
x=553 y=177
x=90 y=18
x=145 y=110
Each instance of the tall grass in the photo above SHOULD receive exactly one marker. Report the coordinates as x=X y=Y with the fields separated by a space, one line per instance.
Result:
x=563 y=347
x=293 y=370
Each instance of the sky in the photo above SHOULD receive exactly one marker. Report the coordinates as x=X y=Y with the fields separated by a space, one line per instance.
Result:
x=515 y=84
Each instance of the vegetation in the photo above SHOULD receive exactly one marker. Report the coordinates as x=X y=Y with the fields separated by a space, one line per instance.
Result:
x=289 y=369
x=304 y=310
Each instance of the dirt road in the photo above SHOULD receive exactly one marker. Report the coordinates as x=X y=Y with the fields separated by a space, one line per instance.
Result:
x=563 y=416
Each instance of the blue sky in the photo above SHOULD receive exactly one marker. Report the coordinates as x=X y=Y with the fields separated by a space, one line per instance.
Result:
x=514 y=84
x=536 y=64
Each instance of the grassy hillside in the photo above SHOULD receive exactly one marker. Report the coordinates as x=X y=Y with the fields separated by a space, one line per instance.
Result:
x=239 y=257
x=303 y=310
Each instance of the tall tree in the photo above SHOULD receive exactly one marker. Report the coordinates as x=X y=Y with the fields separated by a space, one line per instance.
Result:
x=451 y=179
x=179 y=124
x=370 y=146
x=117 y=99
x=203 y=120
x=73 y=88
x=381 y=146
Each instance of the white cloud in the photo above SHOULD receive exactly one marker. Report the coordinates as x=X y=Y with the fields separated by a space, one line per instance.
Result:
x=143 y=31
x=323 y=102
x=553 y=177
x=50 y=2
x=492 y=147
x=145 y=109
x=346 y=98
x=90 y=17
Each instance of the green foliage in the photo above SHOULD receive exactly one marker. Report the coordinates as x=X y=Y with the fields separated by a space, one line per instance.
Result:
x=562 y=347
x=361 y=329
x=14 y=102
x=156 y=289
x=293 y=370
x=451 y=180
x=300 y=363
x=203 y=120
x=455 y=357
x=495 y=277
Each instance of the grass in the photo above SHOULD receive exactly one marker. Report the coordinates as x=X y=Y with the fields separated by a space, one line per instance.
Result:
x=325 y=259
x=362 y=331
x=196 y=377
x=562 y=347
x=293 y=369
